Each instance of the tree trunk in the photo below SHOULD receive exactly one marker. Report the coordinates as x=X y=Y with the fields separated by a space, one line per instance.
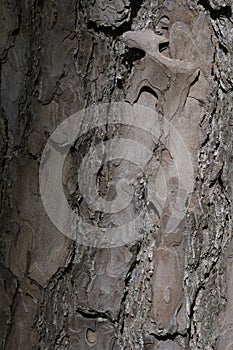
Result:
x=116 y=175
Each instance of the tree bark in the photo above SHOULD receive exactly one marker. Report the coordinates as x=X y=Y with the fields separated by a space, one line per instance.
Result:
x=168 y=64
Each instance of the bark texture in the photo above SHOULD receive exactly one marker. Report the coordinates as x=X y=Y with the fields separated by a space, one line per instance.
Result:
x=167 y=290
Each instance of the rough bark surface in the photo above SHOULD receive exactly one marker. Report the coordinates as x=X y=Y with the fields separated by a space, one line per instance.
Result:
x=169 y=289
